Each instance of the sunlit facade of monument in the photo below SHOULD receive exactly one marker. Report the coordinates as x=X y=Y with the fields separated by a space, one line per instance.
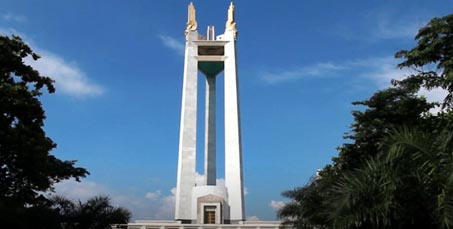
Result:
x=210 y=55
x=209 y=205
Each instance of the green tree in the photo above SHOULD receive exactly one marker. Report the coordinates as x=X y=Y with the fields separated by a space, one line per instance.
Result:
x=434 y=47
x=95 y=213
x=385 y=109
x=314 y=204
x=426 y=159
x=411 y=185
x=27 y=169
x=364 y=198
x=307 y=206
x=384 y=178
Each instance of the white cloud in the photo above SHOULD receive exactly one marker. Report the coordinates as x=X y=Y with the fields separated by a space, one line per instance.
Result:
x=166 y=208
x=10 y=31
x=173 y=44
x=155 y=204
x=381 y=26
x=391 y=28
x=199 y=180
x=252 y=218
x=151 y=205
x=69 y=79
x=153 y=195
x=397 y=31
x=13 y=17
x=380 y=70
x=276 y=205
x=316 y=70
x=383 y=70
x=434 y=95
x=80 y=190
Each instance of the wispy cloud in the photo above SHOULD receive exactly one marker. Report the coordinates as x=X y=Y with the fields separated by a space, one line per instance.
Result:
x=153 y=195
x=434 y=95
x=389 y=24
x=383 y=25
x=253 y=218
x=166 y=207
x=388 y=29
x=199 y=180
x=276 y=205
x=151 y=205
x=383 y=70
x=69 y=79
x=316 y=70
x=80 y=190
x=172 y=43
x=10 y=31
x=379 y=70
x=10 y=17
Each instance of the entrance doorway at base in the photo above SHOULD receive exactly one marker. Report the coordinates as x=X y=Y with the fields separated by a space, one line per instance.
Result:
x=209 y=214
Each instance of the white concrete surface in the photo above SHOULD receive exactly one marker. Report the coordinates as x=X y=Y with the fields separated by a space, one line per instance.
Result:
x=233 y=193
x=200 y=191
x=150 y=224
x=233 y=148
x=187 y=133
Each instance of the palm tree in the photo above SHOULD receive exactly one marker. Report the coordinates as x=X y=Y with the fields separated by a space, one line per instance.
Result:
x=364 y=198
x=409 y=185
x=432 y=157
x=308 y=205
x=96 y=213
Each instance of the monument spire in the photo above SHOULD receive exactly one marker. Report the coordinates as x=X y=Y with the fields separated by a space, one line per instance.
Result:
x=230 y=24
x=210 y=203
x=207 y=202
x=191 y=19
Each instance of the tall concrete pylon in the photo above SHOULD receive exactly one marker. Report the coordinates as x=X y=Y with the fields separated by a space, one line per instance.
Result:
x=210 y=54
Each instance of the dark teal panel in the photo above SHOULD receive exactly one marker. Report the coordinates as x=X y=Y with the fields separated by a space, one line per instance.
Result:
x=211 y=68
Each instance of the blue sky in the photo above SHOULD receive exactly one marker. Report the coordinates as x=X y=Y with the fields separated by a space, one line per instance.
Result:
x=118 y=71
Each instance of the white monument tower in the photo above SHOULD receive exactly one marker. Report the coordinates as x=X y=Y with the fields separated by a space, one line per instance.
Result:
x=202 y=205
x=210 y=203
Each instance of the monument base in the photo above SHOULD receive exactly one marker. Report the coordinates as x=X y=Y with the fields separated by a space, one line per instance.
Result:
x=169 y=224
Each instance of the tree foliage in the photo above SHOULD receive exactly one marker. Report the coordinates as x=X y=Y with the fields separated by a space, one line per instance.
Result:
x=27 y=169
x=59 y=212
x=95 y=213
x=434 y=48
x=322 y=203
x=429 y=157
x=396 y=170
x=386 y=108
